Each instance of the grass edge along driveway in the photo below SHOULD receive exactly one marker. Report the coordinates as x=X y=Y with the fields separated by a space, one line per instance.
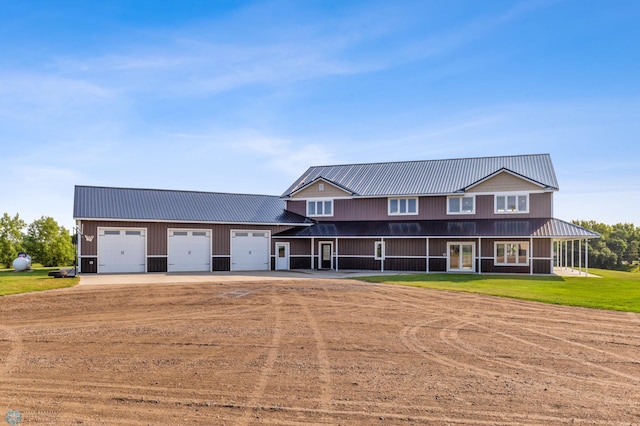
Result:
x=614 y=290
x=29 y=281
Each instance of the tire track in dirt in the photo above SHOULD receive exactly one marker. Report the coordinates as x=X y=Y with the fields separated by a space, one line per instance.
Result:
x=451 y=334
x=16 y=346
x=323 y=360
x=267 y=370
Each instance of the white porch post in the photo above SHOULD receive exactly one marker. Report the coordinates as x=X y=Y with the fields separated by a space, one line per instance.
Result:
x=313 y=254
x=382 y=255
x=530 y=256
x=427 y=255
x=573 y=255
x=480 y=255
x=586 y=257
x=337 y=255
x=566 y=254
x=580 y=256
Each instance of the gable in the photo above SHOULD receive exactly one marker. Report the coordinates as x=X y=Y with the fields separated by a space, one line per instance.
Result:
x=314 y=191
x=505 y=182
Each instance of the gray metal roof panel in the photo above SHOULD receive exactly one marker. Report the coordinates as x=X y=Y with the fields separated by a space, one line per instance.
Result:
x=506 y=228
x=91 y=202
x=428 y=177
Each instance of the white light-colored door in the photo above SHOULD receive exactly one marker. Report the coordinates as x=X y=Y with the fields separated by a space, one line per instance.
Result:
x=189 y=251
x=461 y=257
x=282 y=256
x=121 y=250
x=250 y=251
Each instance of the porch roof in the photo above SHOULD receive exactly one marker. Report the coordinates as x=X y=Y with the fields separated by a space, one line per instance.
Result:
x=506 y=228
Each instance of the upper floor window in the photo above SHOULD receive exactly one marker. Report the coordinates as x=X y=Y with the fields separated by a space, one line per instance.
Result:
x=400 y=206
x=461 y=205
x=512 y=203
x=320 y=208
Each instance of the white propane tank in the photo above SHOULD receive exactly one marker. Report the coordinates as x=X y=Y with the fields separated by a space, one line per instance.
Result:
x=22 y=262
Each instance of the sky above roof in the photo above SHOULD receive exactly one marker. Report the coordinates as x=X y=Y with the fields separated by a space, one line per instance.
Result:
x=244 y=96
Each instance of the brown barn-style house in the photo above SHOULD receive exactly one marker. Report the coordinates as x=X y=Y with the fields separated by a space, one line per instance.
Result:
x=475 y=215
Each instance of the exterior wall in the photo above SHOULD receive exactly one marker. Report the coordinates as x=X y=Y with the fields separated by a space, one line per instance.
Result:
x=157 y=244
x=410 y=254
x=429 y=208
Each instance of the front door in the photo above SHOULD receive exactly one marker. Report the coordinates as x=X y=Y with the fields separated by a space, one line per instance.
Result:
x=282 y=256
x=326 y=261
x=461 y=257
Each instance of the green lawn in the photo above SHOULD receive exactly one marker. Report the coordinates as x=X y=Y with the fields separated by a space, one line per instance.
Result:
x=616 y=290
x=36 y=280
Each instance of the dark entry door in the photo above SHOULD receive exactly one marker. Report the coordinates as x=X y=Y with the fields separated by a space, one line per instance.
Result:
x=325 y=255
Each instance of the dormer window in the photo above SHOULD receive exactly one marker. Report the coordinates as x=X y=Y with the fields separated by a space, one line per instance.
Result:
x=403 y=206
x=461 y=205
x=320 y=208
x=512 y=203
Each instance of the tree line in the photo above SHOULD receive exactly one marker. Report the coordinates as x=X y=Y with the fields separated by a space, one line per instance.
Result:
x=618 y=246
x=48 y=243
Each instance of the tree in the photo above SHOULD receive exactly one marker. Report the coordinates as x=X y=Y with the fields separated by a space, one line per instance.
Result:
x=48 y=243
x=10 y=238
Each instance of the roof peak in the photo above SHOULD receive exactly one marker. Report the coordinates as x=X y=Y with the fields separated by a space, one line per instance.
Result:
x=432 y=160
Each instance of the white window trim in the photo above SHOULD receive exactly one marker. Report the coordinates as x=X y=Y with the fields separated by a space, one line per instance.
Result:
x=402 y=214
x=502 y=262
x=511 y=194
x=375 y=250
x=461 y=197
x=320 y=200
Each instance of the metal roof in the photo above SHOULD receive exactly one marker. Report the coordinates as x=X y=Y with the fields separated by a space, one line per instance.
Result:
x=91 y=202
x=506 y=228
x=430 y=177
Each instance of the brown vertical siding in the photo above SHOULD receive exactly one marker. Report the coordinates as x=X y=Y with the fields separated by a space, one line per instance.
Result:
x=429 y=208
x=405 y=247
x=298 y=207
x=356 y=247
x=157 y=234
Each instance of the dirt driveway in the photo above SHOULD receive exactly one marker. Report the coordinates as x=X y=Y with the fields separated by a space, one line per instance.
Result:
x=292 y=352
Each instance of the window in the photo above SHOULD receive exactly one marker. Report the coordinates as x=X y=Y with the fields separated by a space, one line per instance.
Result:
x=511 y=253
x=378 y=251
x=512 y=203
x=461 y=205
x=320 y=208
x=400 y=206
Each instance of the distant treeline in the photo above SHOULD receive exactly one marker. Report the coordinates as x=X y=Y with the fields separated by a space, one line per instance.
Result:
x=48 y=243
x=619 y=245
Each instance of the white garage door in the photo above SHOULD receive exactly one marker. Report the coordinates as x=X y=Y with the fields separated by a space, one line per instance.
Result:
x=249 y=251
x=121 y=250
x=189 y=251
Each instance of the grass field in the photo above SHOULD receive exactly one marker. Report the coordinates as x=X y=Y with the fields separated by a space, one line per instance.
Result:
x=615 y=290
x=35 y=280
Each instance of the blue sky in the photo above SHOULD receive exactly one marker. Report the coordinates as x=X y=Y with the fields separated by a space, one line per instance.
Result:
x=244 y=96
